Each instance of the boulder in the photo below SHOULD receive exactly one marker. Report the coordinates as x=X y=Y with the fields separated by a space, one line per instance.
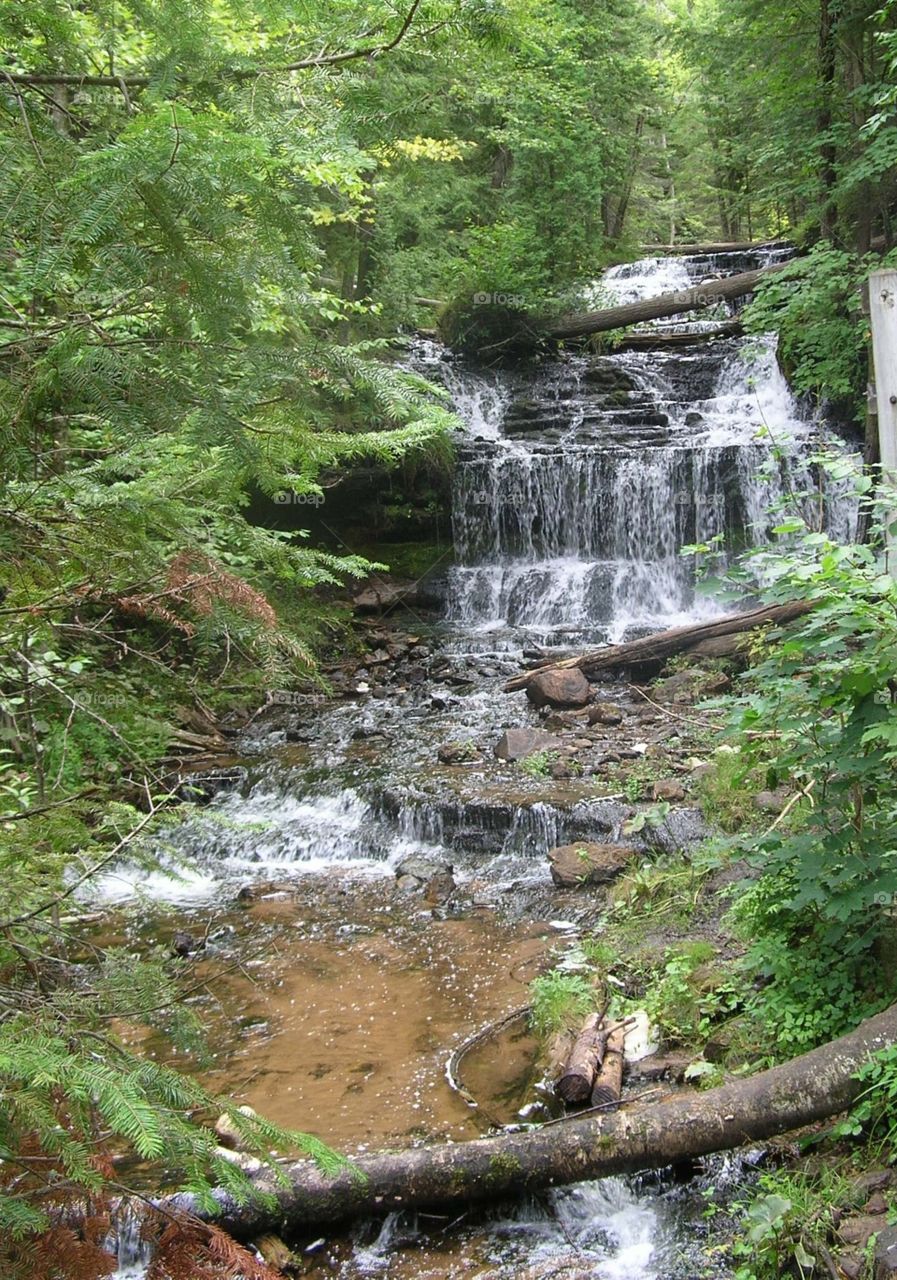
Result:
x=607 y=713
x=422 y=868
x=559 y=688
x=440 y=887
x=858 y=1230
x=457 y=752
x=227 y=1132
x=517 y=744
x=583 y=863
x=668 y=789
x=884 y=1265
x=385 y=593
x=771 y=801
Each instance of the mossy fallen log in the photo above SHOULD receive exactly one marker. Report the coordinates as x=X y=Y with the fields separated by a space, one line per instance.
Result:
x=707 y=294
x=807 y=1089
x=666 y=644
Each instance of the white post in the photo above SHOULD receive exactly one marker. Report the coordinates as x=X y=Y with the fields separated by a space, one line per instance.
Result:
x=883 y=317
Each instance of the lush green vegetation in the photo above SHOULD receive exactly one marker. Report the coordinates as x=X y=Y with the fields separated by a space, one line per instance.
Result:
x=218 y=217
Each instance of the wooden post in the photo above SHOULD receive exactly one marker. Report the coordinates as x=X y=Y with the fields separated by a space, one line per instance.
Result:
x=883 y=318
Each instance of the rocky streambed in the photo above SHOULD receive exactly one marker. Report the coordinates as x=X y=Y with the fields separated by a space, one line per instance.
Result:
x=379 y=873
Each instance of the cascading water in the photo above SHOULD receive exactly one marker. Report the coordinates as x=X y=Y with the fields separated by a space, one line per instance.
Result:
x=580 y=479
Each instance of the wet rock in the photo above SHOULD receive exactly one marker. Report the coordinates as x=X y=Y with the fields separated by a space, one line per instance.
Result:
x=517 y=744
x=227 y=1132
x=884 y=1259
x=457 y=752
x=440 y=887
x=668 y=789
x=183 y=943
x=564 y=688
x=584 y=863
x=560 y=772
x=607 y=713
x=201 y=788
x=876 y=1203
x=694 y=419
x=559 y=721
x=422 y=869
x=681 y=829
x=771 y=801
x=407 y=884
x=850 y=1265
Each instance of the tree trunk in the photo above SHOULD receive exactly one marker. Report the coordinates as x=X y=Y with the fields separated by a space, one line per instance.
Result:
x=664 y=341
x=664 y=644
x=707 y=294
x=609 y=1080
x=807 y=1089
x=719 y=246
x=575 y=1085
x=824 y=121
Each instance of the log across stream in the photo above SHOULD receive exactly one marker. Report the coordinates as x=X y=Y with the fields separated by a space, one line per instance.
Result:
x=815 y=1086
x=577 y=483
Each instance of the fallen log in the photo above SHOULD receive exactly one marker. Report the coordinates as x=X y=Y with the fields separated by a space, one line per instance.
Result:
x=707 y=294
x=609 y=1080
x=664 y=644
x=719 y=246
x=575 y=1085
x=817 y=1085
x=661 y=341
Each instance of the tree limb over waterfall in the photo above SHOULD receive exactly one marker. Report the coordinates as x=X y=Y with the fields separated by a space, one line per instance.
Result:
x=717 y=246
x=664 y=644
x=707 y=294
x=808 y=1089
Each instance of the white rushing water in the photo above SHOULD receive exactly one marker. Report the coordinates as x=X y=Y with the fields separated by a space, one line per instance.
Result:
x=584 y=477
x=577 y=482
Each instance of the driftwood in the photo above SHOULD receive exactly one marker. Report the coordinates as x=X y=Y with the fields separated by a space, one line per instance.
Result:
x=575 y=1085
x=807 y=1089
x=707 y=294
x=609 y=1080
x=739 y=246
x=664 y=644
x=661 y=341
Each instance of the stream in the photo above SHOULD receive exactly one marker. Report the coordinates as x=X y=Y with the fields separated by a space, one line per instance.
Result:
x=372 y=904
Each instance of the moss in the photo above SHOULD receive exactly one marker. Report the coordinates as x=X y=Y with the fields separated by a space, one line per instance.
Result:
x=476 y=327
x=502 y=1167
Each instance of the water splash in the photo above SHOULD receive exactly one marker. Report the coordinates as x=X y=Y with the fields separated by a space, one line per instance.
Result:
x=587 y=476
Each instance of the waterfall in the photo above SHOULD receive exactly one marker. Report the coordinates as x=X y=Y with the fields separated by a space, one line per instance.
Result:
x=580 y=479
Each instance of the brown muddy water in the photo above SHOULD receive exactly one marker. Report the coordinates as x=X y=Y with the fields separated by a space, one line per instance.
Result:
x=332 y=1003
x=348 y=998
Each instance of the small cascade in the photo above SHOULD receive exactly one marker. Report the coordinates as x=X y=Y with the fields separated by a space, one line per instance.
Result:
x=581 y=478
x=578 y=480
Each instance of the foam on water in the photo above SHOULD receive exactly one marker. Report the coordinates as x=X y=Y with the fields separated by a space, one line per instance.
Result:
x=569 y=514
